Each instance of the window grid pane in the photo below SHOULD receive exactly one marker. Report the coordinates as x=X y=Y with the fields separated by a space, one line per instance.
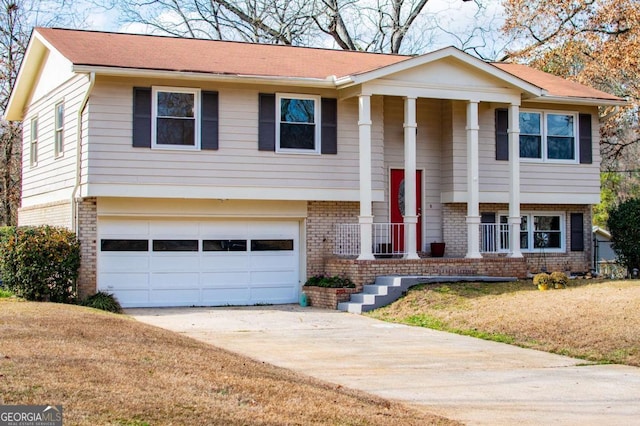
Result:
x=33 y=158
x=297 y=124
x=59 y=131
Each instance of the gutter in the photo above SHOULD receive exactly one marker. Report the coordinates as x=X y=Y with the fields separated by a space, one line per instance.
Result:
x=76 y=186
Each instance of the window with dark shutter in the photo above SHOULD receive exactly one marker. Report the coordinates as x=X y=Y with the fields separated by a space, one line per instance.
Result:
x=502 y=137
x=585 y=139
x=142 y=117
x=577 y=232
x=209 y=123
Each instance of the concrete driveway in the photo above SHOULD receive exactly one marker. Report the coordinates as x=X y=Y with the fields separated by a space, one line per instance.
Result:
x=462 y=378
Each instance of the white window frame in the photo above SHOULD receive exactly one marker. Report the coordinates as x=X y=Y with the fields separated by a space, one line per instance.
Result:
x=196 y=117
x=33 y=142
x=317 y=122
x=530 y=232
x=58 y=138
x=543 y=128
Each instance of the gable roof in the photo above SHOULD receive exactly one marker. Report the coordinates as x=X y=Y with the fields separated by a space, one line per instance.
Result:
x=127 y=54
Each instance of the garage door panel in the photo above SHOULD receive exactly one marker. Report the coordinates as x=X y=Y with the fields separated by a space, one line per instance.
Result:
x=274 y=277
x=178 y=281
x=229 y=230
x=235 y=262
x=175 y=262
x=129 y=262
x=224 y=279
x=133 y=298
x=266 y=262
x=112 y=281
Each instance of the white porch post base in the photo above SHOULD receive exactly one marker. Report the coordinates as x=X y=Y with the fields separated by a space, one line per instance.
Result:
x=473 y=238
x=366 y=238
x=410 y=237
x=514 y=237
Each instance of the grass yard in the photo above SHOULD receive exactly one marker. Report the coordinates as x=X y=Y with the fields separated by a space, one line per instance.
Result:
x=595 y=321
x=110 y=369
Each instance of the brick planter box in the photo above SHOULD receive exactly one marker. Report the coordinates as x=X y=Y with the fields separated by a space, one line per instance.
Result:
x=328 y=298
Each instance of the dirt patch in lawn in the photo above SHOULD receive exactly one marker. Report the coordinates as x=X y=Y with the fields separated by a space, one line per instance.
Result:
x=109 y=369
x=596 y=321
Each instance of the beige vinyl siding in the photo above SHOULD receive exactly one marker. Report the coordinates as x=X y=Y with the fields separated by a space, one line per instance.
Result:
x=428 y=147
x=237 y=162
x=537 y=177
x=53 y=178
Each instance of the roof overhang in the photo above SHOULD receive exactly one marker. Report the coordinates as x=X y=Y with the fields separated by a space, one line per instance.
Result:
x=578 y=101
x=328 y=83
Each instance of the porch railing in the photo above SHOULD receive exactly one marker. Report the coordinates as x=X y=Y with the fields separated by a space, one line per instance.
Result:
x=494 y=237
x=388 y=239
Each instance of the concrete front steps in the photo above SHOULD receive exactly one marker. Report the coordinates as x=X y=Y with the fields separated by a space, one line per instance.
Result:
x=390 y=288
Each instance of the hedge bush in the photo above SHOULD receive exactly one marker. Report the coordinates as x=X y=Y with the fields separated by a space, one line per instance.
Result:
x=330 y=282
x=624 y=225
x=40 y=263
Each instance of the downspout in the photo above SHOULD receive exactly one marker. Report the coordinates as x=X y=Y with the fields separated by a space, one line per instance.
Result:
x=83 y=105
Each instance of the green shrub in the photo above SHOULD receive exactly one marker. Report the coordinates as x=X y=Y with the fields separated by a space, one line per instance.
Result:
x=4 y=294
x=330 y=282
x=104 y=301
x=40 y=263
x=624 y=225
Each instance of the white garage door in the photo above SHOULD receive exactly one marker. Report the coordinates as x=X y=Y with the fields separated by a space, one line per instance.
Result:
x=198 y=263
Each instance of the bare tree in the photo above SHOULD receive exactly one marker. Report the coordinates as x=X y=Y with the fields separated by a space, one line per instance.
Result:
x=389 y=26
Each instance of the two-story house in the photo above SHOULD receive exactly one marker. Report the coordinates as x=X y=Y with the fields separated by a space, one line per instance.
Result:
x=201 y=172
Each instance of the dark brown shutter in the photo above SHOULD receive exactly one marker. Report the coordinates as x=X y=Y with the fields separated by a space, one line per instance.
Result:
x=267 y=122
x=209 y=121
x=577 y=232
x=585 y=138
x=142 y=117
x=502 y=137
x=329 y=128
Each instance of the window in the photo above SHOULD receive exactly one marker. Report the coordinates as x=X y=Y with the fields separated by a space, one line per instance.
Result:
x=548 y=136
x=224 y=245
x=271 y=245
x=33 y=146
x=175 y=245
x=176 y=121
x=298 y=128
x=538 y=232
x=59 y=130
x=124 y=245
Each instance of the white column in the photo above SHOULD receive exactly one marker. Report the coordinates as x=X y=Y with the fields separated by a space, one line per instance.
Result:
x=514 y=181
x=410 y=208
x=473 y=185
x=366 y=216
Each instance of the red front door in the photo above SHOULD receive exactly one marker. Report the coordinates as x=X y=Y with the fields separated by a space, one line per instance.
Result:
x=397 y=207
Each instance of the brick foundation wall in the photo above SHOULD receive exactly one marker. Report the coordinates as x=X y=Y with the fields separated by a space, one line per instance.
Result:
x=327 y=298
x=322 y=216
x=53 y=214
x=455 y=236
x=364 y=272
x=88 y=235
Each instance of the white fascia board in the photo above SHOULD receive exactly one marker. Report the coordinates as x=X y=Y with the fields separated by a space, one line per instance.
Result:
x=530 y=89
x=184 y=75
x=525 y=198
x=578 y=101
x=222 y=192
